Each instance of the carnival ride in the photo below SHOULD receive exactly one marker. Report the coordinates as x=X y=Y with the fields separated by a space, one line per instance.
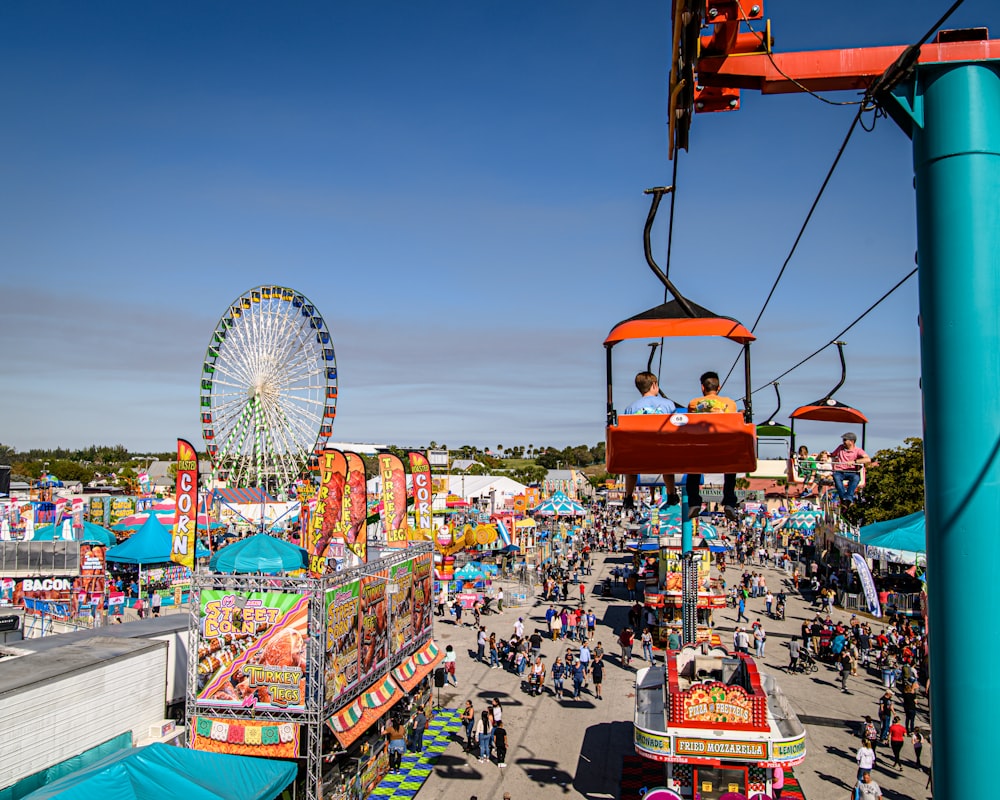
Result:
x=268 y=389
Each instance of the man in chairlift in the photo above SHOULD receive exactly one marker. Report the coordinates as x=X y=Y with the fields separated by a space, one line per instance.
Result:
x=711 y=403
x=848 y=459
x=650 y=403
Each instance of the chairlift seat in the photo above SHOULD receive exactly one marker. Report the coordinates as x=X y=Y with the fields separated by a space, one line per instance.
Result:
x=681 y=443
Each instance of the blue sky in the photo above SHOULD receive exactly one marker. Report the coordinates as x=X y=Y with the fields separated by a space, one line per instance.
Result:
x=458 y=188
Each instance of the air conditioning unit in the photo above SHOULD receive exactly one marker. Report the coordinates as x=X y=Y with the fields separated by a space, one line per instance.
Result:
x=162 y=729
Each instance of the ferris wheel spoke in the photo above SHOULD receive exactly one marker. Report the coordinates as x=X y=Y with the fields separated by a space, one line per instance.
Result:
x=267 y=380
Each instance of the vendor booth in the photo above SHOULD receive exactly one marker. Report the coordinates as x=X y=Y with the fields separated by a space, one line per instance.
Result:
x=719 y=726
x=263 y=685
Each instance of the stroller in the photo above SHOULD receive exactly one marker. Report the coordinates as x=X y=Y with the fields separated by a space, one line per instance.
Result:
x=806 y=663
x=487 y=607
x=606 y=588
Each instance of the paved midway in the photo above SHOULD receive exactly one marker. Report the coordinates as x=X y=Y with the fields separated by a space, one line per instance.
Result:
x=575 y=748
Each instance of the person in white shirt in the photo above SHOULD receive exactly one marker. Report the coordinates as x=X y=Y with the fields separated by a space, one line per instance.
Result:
x=866 y=761
x=519 y=628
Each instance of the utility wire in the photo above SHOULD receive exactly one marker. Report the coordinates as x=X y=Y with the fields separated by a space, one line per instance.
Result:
x=867 y=311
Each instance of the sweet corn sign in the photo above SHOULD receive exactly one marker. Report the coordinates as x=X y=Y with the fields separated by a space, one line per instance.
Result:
x=186 y=516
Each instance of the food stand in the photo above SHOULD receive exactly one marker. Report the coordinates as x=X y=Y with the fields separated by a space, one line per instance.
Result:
x=718 y=725
x=262 y=682
x=665 y=596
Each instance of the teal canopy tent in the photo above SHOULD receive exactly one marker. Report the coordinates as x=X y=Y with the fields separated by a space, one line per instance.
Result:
x=559 y=505
x=901 y=536
x=92 y=534
x=151 y=544
x=259 y=553
x=159 y=771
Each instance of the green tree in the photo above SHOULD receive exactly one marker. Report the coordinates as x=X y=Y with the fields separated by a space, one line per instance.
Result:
x=894 y=485
x=529 y=474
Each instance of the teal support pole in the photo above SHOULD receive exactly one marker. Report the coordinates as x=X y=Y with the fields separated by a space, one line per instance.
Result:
x=952 y=113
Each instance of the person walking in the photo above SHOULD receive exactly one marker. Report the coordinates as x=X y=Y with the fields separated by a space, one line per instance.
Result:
x=450 y=658
x=494 y=652
x=897 y=735
x=759 y=637
x=597 y=673
x=867 y=789
x=578 y=677
x=918 y=746
x=500 y=599
x=155 y=603
x=885 y=714
x=647 y=645
x=457 y=606
x=777 y=782
x=500 y=744
x=844 y=665
x=865 y=759
x=469 y=723
x=483 y=727
x=416 y=743
x=396 y=736
x=625 y=640
x=741 y=610
x=481 y=645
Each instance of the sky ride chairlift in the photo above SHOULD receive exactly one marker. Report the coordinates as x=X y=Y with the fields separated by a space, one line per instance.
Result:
x=679 y=442
x=828 y=409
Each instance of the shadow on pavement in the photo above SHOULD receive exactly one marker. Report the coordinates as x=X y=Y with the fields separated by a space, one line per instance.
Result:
x=545 y=772
x=599 y=767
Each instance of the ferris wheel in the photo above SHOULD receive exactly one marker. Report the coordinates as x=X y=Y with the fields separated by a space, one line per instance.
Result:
x=268 y=389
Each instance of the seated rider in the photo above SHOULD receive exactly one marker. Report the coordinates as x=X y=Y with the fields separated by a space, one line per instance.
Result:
x=711 y=403
x=650 y=403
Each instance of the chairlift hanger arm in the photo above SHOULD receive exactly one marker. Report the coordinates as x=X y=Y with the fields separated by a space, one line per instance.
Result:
x=647 y=247
x=843 y=370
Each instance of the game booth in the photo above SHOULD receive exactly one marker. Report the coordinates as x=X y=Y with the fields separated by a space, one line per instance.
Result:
x=719 y=726
x=264 y=684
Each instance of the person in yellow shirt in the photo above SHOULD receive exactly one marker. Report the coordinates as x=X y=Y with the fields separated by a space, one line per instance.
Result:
x=712 y=403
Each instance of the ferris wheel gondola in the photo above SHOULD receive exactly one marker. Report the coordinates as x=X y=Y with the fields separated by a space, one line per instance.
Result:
x=268 y=389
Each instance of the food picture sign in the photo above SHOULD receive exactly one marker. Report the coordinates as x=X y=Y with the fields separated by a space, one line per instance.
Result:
x=244 y=737
x=341 y=639
x=402 y=604
x=716 y=703
x=252 y=650
x=422 y=588
x=373 y=622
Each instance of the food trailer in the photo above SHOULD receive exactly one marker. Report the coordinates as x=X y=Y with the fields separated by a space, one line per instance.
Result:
x=719 y=726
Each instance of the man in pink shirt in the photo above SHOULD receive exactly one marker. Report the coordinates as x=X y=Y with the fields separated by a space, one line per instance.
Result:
x=847 y=462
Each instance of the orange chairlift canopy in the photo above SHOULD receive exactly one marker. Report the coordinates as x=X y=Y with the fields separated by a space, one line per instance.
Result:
x=680 y=442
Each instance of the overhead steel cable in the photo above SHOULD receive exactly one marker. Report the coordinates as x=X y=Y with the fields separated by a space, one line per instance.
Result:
x=892 y=75
x=836 y=337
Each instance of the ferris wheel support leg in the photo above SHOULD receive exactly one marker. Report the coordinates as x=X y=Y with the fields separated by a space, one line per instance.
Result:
x=952 y=113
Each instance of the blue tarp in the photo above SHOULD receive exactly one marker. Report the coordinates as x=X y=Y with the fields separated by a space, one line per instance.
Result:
x=159 y=771
x=259 y=553
x=149 y=545
x=906 y=533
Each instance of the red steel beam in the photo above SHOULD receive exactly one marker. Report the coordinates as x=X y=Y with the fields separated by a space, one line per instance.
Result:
x=827 y=70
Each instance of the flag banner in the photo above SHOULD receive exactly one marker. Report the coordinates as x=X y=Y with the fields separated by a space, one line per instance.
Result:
x=420 y=472
x=185 y=517
x=325 y=522
x=393 y=476
x=867 y=584
x=356 y=507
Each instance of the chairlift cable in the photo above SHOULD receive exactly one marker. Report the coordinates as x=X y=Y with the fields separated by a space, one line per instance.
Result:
x=867 y=311
x=885 y=82
x=802 y=229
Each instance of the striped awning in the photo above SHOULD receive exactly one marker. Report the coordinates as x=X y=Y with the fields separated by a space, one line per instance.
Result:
x=256 y=495
x=354 y=719
x=418 y=666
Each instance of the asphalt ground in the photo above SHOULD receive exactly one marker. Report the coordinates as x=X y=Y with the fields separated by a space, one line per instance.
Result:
x=574 y=748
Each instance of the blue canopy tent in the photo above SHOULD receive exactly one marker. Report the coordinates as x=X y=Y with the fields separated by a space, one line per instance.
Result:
x=898 y=540
x=151 y=544
x=160 y=770
x=92 y=534
x=259 y=553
